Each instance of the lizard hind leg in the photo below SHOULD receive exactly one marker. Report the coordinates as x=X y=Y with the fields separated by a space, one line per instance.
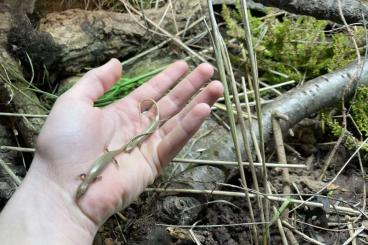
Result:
x=98 y=178
x=115 y=162
x=113 y=159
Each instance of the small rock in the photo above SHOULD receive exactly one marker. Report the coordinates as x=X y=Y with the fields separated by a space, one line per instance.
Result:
x=179 y=210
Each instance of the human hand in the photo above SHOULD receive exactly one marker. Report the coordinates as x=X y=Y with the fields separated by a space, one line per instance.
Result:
x=76 y=133
x=44 y=209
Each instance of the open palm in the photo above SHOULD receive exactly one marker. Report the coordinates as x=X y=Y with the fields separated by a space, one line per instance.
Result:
x=76 y=133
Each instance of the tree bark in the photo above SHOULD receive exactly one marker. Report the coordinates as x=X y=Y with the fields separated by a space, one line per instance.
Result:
x=355 y=11
x=315 y=95
x=15 y=94
x=70 y=41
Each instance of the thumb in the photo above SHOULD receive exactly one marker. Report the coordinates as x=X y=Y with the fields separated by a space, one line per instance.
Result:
x=97 y=81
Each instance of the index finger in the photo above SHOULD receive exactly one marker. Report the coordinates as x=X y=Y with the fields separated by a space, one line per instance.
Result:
x=158 y=85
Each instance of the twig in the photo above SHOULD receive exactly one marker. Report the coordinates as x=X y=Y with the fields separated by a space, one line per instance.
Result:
x=349 y=30
x=174 y=38
x=251 y=92
x=173 y=16
x=337 y=175
x=254 y=70
x=121 y=216
x=9 y=114
x=12 y=175
x=280 y=149
x=213 y=226
x=337 y=145
x=304 y=236
x=250 y=119
x=256 y=164
x=291 y=237
x=192 y=234
x=219 y=47
x=281 y=228
x=219 y=119
x=343 y=210
x=14 y=148
x=351 y=231
x=243 y=129
x=353 y=236
x=144 y=53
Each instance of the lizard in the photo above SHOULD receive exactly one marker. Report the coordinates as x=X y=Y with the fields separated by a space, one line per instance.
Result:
x=99 y=165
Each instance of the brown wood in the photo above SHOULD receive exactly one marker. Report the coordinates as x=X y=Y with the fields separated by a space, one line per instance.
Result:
x=89 y=38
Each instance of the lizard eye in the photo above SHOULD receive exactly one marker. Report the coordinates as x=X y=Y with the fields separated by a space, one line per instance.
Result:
x=82 y=176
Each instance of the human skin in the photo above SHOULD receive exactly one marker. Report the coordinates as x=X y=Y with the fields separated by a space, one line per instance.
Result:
x=44 y=209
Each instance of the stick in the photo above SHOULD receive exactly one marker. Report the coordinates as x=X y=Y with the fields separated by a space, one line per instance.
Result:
x=344 y=210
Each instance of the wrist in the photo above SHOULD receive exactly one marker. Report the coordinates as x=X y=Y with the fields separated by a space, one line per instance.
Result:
x=42 y=211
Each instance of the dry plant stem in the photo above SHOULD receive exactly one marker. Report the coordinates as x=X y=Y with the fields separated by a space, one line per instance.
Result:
x=227 y=163
x=10 y=172
x=266 y=88
x=14 y=148
x=356 y=233
x=364 y=201
x=9 y=114
x=281 y=155
x=254 y=71
x=336 y=176
x=243 y=129
x=212 y=226
x=349 y=30
x=173 y=37
x=351 y=230
x=304 y=236
x=173 y=16
x=218 y=47
x=189 y=161
x=336 y=146
x=342 y=210
x=140 y=55
x=291 y=237
x=254 y=137
x=281 y=228
x=121 y=216
x=219 y=120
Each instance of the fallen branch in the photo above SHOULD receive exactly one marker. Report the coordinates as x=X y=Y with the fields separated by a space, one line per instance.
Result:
x=318 y=93
x=355 y=11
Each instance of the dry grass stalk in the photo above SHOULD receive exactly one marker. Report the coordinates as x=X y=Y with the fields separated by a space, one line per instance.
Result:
x=224 y=163
x=270 y=197
x=219 y=48
x=254 y=71
x=10 y=172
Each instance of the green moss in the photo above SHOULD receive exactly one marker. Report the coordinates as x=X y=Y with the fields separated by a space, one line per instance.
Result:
x=293 y=49
x=350 y=141
x=359 y=110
